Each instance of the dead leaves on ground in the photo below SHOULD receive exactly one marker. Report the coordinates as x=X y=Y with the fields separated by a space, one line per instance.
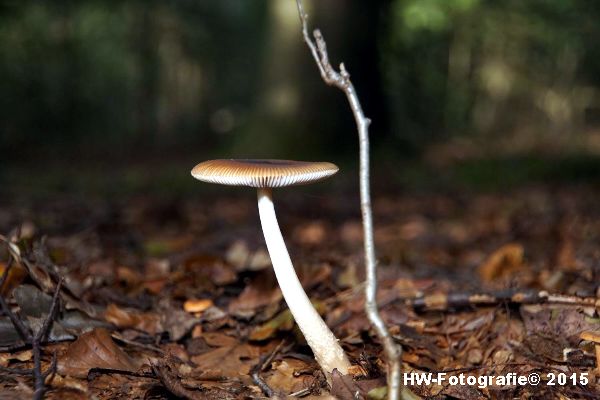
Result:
x=94 y=349
x=193 y=304
x=229 y=357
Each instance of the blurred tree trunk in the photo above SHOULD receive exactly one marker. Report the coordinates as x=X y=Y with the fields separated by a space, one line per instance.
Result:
x=148 y=64
x=273 y=128
x=352 y=30
x=296 y=115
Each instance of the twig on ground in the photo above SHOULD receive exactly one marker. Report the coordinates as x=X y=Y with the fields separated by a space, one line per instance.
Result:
x=341 y=80
x=444 y=302
x=35 y=340
x=264 y=361
x=95 y=372
x=172 y=384
x=36 y=344
x=300 y=393
x=148 y=347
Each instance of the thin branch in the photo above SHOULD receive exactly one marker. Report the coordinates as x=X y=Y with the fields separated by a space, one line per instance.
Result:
x=172 y=383
x=36 y=344
x=457 y=301
x=342 y=81
x=264 y=361
x=35 y=340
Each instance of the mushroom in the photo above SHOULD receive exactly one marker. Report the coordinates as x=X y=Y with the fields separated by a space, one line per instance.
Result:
x=265 y=175
x=594 y=337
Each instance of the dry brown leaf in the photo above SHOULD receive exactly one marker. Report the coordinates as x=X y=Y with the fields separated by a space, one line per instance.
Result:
x=94 y=349
x=129 y=276
x=233 y=359
x=311 y=233
x=262 y=290
x=558 y=321
x=78 y=387
x=283 y=378
x=123 y=318
x=16 y=275
x=217 y=339
x=174 y=320
x=211 y=268
x=284 y=321
x=502 y=262
x=345 y=388
x=6 y=358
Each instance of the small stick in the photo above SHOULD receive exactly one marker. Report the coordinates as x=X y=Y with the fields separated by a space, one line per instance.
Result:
x=341 y=80
x=94 y=372
x=35 y=340
x=40 y=336
x=260 y=367
x=444 y=302
x=172 y=384
x=137 y=344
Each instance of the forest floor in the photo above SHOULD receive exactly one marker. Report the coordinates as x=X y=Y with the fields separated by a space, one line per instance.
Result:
x=175 y=298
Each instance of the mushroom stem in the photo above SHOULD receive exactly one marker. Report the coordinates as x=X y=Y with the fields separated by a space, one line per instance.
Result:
x=328 y=352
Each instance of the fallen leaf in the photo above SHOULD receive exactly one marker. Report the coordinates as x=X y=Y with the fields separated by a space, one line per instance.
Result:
x=94 y=349
x=344 y=388
x=261 y=291
x=284 y=321
x=209 y=268
x=6 y=358
x=76 y=388
x=129 y=276
x=16 y=275
x=311 y=233
x=284 y=380
x=174 y=320
x=556 y=321
x=232 y=359
x=122 y=318
x=502 y=262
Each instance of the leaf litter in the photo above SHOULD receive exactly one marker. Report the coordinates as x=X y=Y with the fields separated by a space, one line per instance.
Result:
x=190 y=308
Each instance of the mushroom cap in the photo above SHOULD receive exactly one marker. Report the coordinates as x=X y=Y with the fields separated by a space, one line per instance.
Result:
x=263 y=173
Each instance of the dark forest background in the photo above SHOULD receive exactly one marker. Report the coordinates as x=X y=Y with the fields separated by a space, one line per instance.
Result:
x=95 y=94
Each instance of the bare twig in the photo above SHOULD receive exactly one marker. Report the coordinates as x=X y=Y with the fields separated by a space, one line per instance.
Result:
x=453 y=301
x=35 y=340
x=341 y=80
x=36 y=344
x=261 y=366
x=171 y=382
x=123 y=339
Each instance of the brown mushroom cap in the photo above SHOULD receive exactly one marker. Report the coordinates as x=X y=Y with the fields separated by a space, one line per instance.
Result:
x=262 y=173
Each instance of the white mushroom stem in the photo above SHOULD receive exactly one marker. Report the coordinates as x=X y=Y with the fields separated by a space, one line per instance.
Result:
x=328 y=352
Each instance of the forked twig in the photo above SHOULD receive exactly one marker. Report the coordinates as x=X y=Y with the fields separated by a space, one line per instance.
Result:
x=264 y=361
x=26 y=334
x=341 y=80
